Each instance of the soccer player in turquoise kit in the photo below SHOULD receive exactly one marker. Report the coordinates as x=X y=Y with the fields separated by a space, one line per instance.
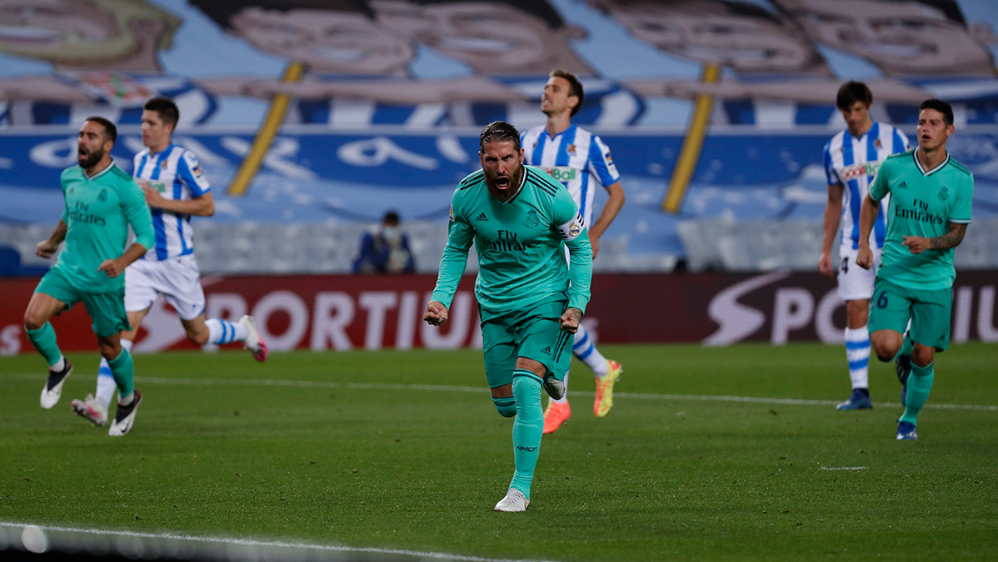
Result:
x=102 y=201
x=930 y=201
x=530 y=300
x=175 y=189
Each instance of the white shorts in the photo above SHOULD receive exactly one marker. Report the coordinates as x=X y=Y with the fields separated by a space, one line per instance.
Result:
x=177 y=279
x=856 y=283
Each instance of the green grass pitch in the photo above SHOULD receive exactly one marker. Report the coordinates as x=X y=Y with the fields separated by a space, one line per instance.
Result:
x=709 y=453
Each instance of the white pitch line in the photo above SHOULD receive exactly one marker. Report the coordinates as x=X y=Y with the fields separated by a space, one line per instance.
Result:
x=483 y=390
x=844 y=468
x=250 y=543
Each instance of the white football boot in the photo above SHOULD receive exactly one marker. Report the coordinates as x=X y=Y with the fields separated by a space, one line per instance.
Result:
x=124 y=417
x=254 y=342
x=91 y=409
x=52 y=390
x=514 y=501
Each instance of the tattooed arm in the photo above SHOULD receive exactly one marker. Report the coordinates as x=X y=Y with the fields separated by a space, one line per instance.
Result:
x=952 y=239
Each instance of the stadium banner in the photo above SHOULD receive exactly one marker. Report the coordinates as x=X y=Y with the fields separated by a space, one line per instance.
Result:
x=375 y=312
x=314 y=176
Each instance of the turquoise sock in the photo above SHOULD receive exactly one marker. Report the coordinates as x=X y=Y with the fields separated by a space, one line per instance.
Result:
x=44 y=341
x=906 y=347
x=919 y=385
x=123 y=370
x=527 y=428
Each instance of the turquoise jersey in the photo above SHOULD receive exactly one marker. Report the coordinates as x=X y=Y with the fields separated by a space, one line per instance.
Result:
x=98 y=213
x=922 y=203
x=520 y=244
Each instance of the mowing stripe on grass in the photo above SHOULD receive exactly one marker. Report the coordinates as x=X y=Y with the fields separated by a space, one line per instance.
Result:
x=47 y=538
x=483 y=390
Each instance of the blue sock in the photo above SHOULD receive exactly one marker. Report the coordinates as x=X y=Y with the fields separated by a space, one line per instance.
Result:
x=528 y=427
x=858 y=356
x=221 y=332
x=584 y=348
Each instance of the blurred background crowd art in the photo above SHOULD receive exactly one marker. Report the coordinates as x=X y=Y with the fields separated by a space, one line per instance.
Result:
x=312 y=118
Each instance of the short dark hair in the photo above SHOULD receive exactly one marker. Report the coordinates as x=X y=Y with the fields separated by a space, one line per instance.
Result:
x=222 y=12
x=165 y=108
x=391 y=217
x=852 y=92
x=574 y=86
x=499 y=131
x=940 y=106
x=110 y=131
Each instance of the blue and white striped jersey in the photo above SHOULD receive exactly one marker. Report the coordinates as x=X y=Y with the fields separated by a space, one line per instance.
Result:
x=176 y=174
x=576 y=158
x=118 y=96
x=852 y=163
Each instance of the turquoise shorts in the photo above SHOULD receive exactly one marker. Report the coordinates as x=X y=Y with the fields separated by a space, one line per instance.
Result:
x=107 y=310
x=891 y=306
x=535 y=334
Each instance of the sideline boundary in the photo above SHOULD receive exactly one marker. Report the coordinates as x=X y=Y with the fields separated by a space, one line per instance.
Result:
x=39 y=539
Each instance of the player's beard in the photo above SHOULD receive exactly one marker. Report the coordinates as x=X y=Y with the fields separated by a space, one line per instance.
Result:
x=88 y=160
x=510 y=189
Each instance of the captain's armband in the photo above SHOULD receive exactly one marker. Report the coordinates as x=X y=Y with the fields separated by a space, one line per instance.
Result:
x=572 y=229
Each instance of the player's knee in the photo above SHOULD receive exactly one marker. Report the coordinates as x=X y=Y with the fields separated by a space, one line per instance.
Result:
x=923 y=356
x=885 y=352
x=506 y=406
x=886 y=348
x=33 y=321
x=108 y=351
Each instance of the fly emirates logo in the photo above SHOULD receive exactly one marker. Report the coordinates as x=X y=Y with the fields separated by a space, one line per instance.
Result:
x=919 y=213
x=508 y=242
